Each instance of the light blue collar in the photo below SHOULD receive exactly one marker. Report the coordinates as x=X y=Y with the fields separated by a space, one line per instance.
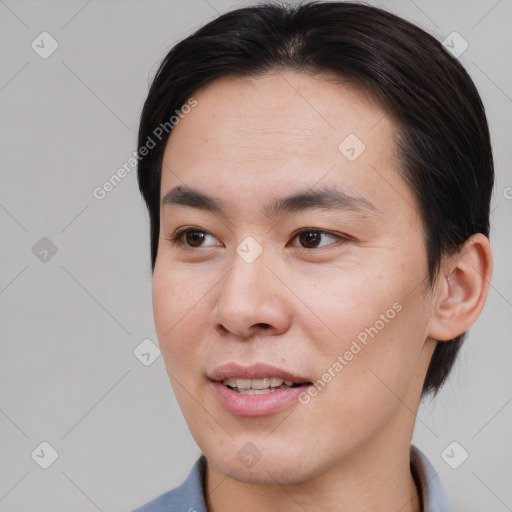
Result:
x=432 y=491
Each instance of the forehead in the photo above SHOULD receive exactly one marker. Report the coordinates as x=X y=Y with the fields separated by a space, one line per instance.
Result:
x=282 y=131
x=280 y=114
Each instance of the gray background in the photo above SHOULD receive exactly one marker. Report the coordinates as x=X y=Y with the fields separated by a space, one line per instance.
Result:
x=70 y=324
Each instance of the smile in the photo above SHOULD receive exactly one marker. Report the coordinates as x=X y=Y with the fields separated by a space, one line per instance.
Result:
x=258 y=386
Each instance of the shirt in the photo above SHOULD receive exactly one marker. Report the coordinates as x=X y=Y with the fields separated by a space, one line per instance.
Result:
x=189 y=496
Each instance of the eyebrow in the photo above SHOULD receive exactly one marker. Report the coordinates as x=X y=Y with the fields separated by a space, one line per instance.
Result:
x=327 y=198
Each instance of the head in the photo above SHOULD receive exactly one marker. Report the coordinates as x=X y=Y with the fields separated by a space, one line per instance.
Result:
x=333 y=167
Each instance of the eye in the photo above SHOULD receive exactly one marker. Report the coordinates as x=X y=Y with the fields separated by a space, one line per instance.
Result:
x=191 y=237
x=312 y=238
x=308 y=238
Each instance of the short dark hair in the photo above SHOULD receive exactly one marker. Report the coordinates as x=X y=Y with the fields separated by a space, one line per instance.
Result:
x=443 y=142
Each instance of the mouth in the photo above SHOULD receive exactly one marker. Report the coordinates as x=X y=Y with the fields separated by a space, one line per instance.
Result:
x=257 y=390
x=257 y=379
x=261 y=386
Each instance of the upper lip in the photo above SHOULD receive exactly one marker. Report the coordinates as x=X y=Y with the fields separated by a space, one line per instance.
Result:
x=254 y=371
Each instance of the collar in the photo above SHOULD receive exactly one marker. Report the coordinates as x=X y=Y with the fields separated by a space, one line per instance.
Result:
x=432 y=494
x=189 y=496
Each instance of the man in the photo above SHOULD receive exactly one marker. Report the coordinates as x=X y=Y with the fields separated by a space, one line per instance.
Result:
x=318 y=180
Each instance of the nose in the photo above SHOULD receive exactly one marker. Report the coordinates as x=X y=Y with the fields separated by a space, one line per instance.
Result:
x=251 y=301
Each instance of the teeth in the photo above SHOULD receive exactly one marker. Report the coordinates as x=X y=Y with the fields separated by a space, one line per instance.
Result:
x=262 y=386
x=243 y=383
x=260 y=383
x=258 y=391
x=262 y=391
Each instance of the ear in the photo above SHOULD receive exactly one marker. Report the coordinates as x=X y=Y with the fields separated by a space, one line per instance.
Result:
x=461 y=290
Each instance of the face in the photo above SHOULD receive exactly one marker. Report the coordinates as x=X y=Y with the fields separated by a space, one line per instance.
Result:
x=303 y=260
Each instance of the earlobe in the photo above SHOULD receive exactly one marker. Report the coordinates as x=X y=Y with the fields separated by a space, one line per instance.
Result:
x=462 y=289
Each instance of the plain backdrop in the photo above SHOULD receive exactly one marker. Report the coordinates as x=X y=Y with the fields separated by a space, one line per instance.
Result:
x=75 y=280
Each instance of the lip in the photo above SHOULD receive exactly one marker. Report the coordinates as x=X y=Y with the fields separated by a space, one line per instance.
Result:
x=255 y=405
x=254 y=371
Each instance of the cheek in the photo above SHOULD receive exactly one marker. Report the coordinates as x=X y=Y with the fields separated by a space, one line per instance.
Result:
x=180 y=312
x=367 y=342
x=343 y=303
x=180 y=304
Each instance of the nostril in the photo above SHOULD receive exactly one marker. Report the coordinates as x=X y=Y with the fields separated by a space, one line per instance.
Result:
x=262 y=326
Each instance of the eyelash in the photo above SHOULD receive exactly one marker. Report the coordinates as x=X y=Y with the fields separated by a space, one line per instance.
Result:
x=177 y=237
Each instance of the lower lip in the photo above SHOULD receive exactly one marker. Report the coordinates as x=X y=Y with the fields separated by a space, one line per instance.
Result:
x=256 y=405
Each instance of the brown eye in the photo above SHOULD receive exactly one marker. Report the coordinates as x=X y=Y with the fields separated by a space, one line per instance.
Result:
x=312 y=238
x=309 y=238
x=194 y=238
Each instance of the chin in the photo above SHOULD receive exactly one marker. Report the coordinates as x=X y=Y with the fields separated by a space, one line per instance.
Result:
x=263 y=473
x=273 y=465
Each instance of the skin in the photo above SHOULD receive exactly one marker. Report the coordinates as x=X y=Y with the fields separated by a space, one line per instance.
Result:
x=299 y=306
